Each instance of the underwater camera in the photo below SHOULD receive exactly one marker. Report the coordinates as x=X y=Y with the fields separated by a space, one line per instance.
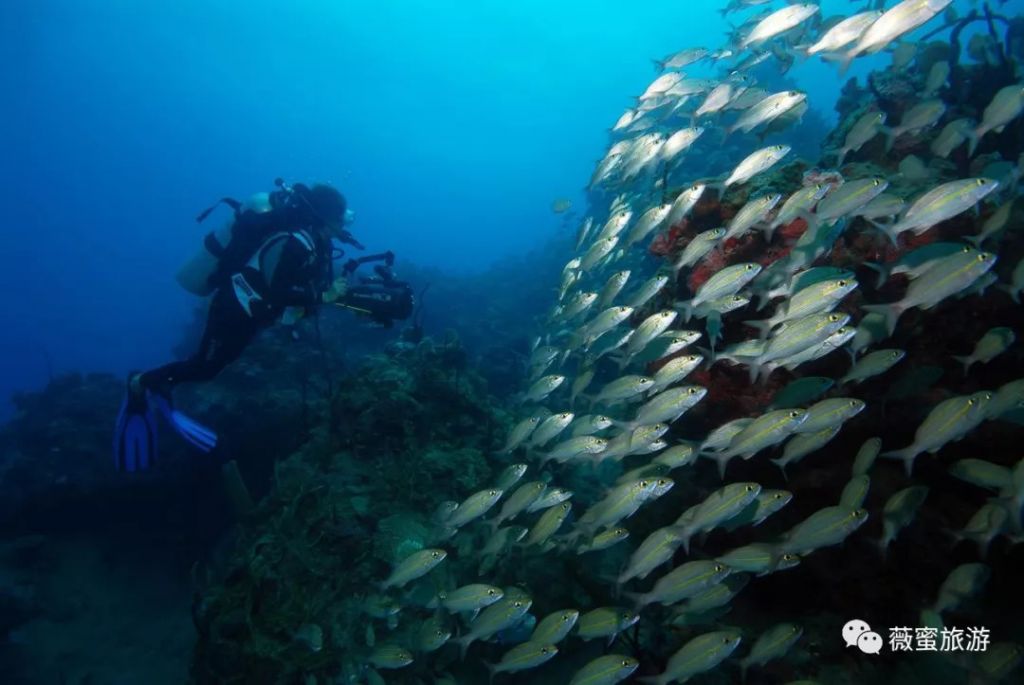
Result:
x=381 y=297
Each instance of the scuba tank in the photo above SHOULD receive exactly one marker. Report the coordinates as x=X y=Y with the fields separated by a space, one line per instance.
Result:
x=197 y=274
x=289 y=208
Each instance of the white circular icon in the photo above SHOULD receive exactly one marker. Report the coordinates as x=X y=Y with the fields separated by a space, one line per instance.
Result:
x=870 y=643
x=853 y=630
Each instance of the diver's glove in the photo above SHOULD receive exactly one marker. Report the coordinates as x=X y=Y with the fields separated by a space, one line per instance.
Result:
x=336 y=291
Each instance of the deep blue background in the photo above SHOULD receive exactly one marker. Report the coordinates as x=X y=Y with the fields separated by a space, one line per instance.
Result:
x=450 y=125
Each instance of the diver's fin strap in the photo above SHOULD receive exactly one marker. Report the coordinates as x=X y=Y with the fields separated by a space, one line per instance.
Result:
x=229 y=201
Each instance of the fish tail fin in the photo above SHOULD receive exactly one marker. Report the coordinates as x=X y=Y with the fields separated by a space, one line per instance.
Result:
x=973 y=138
x=764 y=328
x=891 y=312
x=722 y=463
x=659 y=64
x=781 y=463
x=1011 y=291
x=639 y=599
x=906 y=455
x=844 y=61
x=492 y=670
x=841 y=155
x=883 y=547
x=463 y=642
x=891 y=134
x=966 y=361
x=881 y=270
x=685 y=307
x=755 y=371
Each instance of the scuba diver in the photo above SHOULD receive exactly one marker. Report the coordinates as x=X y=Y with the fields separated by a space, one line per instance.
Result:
x=275 y=257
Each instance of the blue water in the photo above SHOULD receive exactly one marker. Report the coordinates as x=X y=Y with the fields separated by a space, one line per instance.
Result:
x=451 y=127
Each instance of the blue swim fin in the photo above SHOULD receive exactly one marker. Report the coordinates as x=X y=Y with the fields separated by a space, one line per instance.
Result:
x=135 y=434
x=198 y=435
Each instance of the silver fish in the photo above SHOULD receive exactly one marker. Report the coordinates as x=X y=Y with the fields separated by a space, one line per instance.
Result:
x=612 y=288
x=674 y=371
x=950 y=420
x=698 y=248
x=683 y=582
x=597 y=252
x=800 y=445
x=543 y=387
x=772 y=644
x=991 y=345
x=778 y=22
x=668 y=406
x=767 y=110
x=519 y=433
x=473 y=507
x=798 y=205
x=899 y=511
x=921 y=116
x=1006 y=106
x=949 y=276
x=754 y=212
x=873 y=364
x=953 y=135
x=834 y=411
x=826 y=527
x=680 y=141
x=684 y=202
x=649 y=289
x=849 y=198
x=864 y=129
x=993 y=224
x=699 y=655
x=895 y=22
x=414 y=566
x=844 y=32
x=816 y=299
x=728 y=281
x=550 y=428
x=650 y=221
x=757 y=162
x=936 y=78
x=605 y=670
x=648 y=330
x=941 y=203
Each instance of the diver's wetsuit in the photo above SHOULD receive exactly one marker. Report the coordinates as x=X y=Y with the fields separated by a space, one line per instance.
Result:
x=290 y=269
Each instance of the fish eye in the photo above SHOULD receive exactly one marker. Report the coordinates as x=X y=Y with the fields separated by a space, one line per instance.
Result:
x=970 y=402
x=749 y=488
x=853 y=403
x=777 y=495
x=980 y=181
x=794 y=414
x=491 y=592
x=749 y=267
x=981 y=258
x=565 y=507
x=625 y=662
x=841 y=284
x=966 y=249
x=834 y=317
x=436 y=555
x=719 y=568
x=692 y=391
x=877 y=183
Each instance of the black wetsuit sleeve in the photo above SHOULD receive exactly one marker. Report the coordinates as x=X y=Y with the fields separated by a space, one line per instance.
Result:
x=293 y=280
